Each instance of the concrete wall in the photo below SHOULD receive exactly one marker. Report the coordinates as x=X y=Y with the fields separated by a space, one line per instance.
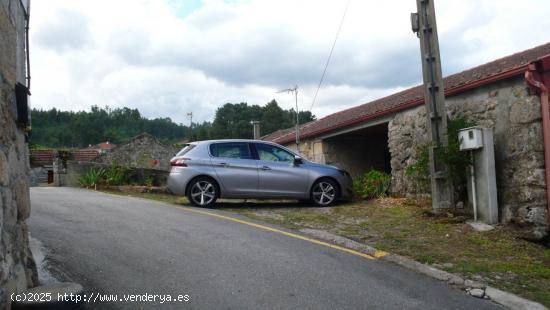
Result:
x=141 y=152
x=17 y=268
x=515 y=118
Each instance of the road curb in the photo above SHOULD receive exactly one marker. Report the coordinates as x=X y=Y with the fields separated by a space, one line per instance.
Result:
x=473 y=288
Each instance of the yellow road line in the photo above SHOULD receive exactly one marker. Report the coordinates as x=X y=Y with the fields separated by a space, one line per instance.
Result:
x=378 y=254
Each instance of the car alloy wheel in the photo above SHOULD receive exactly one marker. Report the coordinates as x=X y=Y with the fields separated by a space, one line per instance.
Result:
x=202 y=193
x=324 y=193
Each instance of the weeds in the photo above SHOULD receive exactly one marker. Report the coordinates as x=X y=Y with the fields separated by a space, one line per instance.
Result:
x=92 y=178
x=373 y=184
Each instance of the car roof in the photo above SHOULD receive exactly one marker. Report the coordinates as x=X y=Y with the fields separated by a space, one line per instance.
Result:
x=233 y=140
x=244 y=141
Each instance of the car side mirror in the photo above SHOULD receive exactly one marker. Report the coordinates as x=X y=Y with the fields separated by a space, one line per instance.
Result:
x=298 y=160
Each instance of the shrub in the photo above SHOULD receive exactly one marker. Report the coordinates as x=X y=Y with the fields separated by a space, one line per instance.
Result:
x=149 y=181
x=116 y=175
x=420 y=170
x=373 y=184
x=92 y=178
x=456 y=161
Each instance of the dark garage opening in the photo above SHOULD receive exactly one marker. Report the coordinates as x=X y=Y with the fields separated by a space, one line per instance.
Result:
x=360 y=151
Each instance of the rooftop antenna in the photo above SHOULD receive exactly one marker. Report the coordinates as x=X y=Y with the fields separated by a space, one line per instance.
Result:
x=295 y=91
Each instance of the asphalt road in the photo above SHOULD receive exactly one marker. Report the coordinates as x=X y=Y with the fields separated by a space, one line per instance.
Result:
x=122 y=245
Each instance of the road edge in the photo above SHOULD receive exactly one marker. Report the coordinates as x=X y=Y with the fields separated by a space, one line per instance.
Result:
x=473 y=288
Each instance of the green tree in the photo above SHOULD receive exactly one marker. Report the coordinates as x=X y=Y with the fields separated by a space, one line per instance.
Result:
x=58 y=129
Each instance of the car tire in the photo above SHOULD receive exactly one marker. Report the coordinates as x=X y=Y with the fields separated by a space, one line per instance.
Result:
x=324 y=192
x=203 y=192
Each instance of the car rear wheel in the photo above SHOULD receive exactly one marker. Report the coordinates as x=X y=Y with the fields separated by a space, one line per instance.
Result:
x=324 y=192
x=203 y=192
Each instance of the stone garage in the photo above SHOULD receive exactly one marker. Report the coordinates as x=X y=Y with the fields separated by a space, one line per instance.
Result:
x=385 y=134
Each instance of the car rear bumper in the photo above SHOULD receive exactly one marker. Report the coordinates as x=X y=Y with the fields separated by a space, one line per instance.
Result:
x=177 y=181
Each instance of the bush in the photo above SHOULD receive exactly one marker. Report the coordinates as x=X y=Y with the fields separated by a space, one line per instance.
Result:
x=456 y=161
x=116 y=175
x=420 y=170
x=373 y=184
x=92 y=178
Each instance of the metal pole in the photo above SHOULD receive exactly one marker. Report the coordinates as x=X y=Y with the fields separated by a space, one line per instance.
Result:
x=297 y=130
x=474 y=190
x=424 y=24
x=297 y=119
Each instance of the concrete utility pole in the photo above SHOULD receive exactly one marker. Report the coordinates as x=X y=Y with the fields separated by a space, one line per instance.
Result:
x=424 y=24
x=256 y=129
x=190 y=114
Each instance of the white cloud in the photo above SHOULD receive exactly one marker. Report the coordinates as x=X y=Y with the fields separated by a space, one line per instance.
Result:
x=167 y=58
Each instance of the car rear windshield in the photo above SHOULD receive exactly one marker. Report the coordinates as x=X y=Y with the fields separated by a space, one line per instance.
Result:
x=186 y=148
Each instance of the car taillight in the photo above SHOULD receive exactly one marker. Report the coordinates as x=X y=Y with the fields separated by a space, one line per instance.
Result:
x=179 y=162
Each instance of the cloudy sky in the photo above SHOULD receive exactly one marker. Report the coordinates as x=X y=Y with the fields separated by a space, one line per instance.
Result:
x=171 y=57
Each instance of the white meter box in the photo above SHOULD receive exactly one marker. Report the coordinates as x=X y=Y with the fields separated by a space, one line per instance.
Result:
x=471 y=138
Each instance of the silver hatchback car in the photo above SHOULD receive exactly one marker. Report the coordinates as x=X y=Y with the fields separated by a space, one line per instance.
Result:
x=207 y=170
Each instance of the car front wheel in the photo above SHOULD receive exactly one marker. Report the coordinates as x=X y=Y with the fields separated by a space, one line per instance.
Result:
x=203 y=192
x=324 y=192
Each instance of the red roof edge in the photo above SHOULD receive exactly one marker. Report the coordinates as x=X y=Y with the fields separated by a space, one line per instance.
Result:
x=412 y=103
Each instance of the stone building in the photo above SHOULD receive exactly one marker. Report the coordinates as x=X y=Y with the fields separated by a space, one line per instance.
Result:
x=142 y=151
x=42 y=163
x=385 y=134
x=17 y=268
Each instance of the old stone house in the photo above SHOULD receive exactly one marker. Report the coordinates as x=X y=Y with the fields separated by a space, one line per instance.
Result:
x=142 y=151
x=42 y=162
x=385 y=134
x=17 y=268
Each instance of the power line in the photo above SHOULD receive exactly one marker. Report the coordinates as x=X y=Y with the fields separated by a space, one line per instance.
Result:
x=330 y=55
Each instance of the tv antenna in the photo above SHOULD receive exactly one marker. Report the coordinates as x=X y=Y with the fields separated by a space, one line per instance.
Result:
x=295 y=91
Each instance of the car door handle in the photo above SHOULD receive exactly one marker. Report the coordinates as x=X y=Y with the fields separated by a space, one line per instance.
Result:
x=265 y=168
x=224 y=164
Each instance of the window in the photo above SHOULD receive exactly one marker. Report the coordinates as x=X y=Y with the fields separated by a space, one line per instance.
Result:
x=187 y=148
x=231 y=150
x=273 y=153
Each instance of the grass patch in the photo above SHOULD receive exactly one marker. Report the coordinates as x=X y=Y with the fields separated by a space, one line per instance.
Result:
x=407 y=227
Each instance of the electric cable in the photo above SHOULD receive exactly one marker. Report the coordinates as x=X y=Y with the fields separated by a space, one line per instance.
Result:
x=330 y=56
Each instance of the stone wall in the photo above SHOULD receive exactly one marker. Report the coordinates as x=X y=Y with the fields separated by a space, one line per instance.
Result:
x=143 y=151
x=17 y=268
x=310 y=149
x=515 y=118
x=68 y=173
x=39 y=175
